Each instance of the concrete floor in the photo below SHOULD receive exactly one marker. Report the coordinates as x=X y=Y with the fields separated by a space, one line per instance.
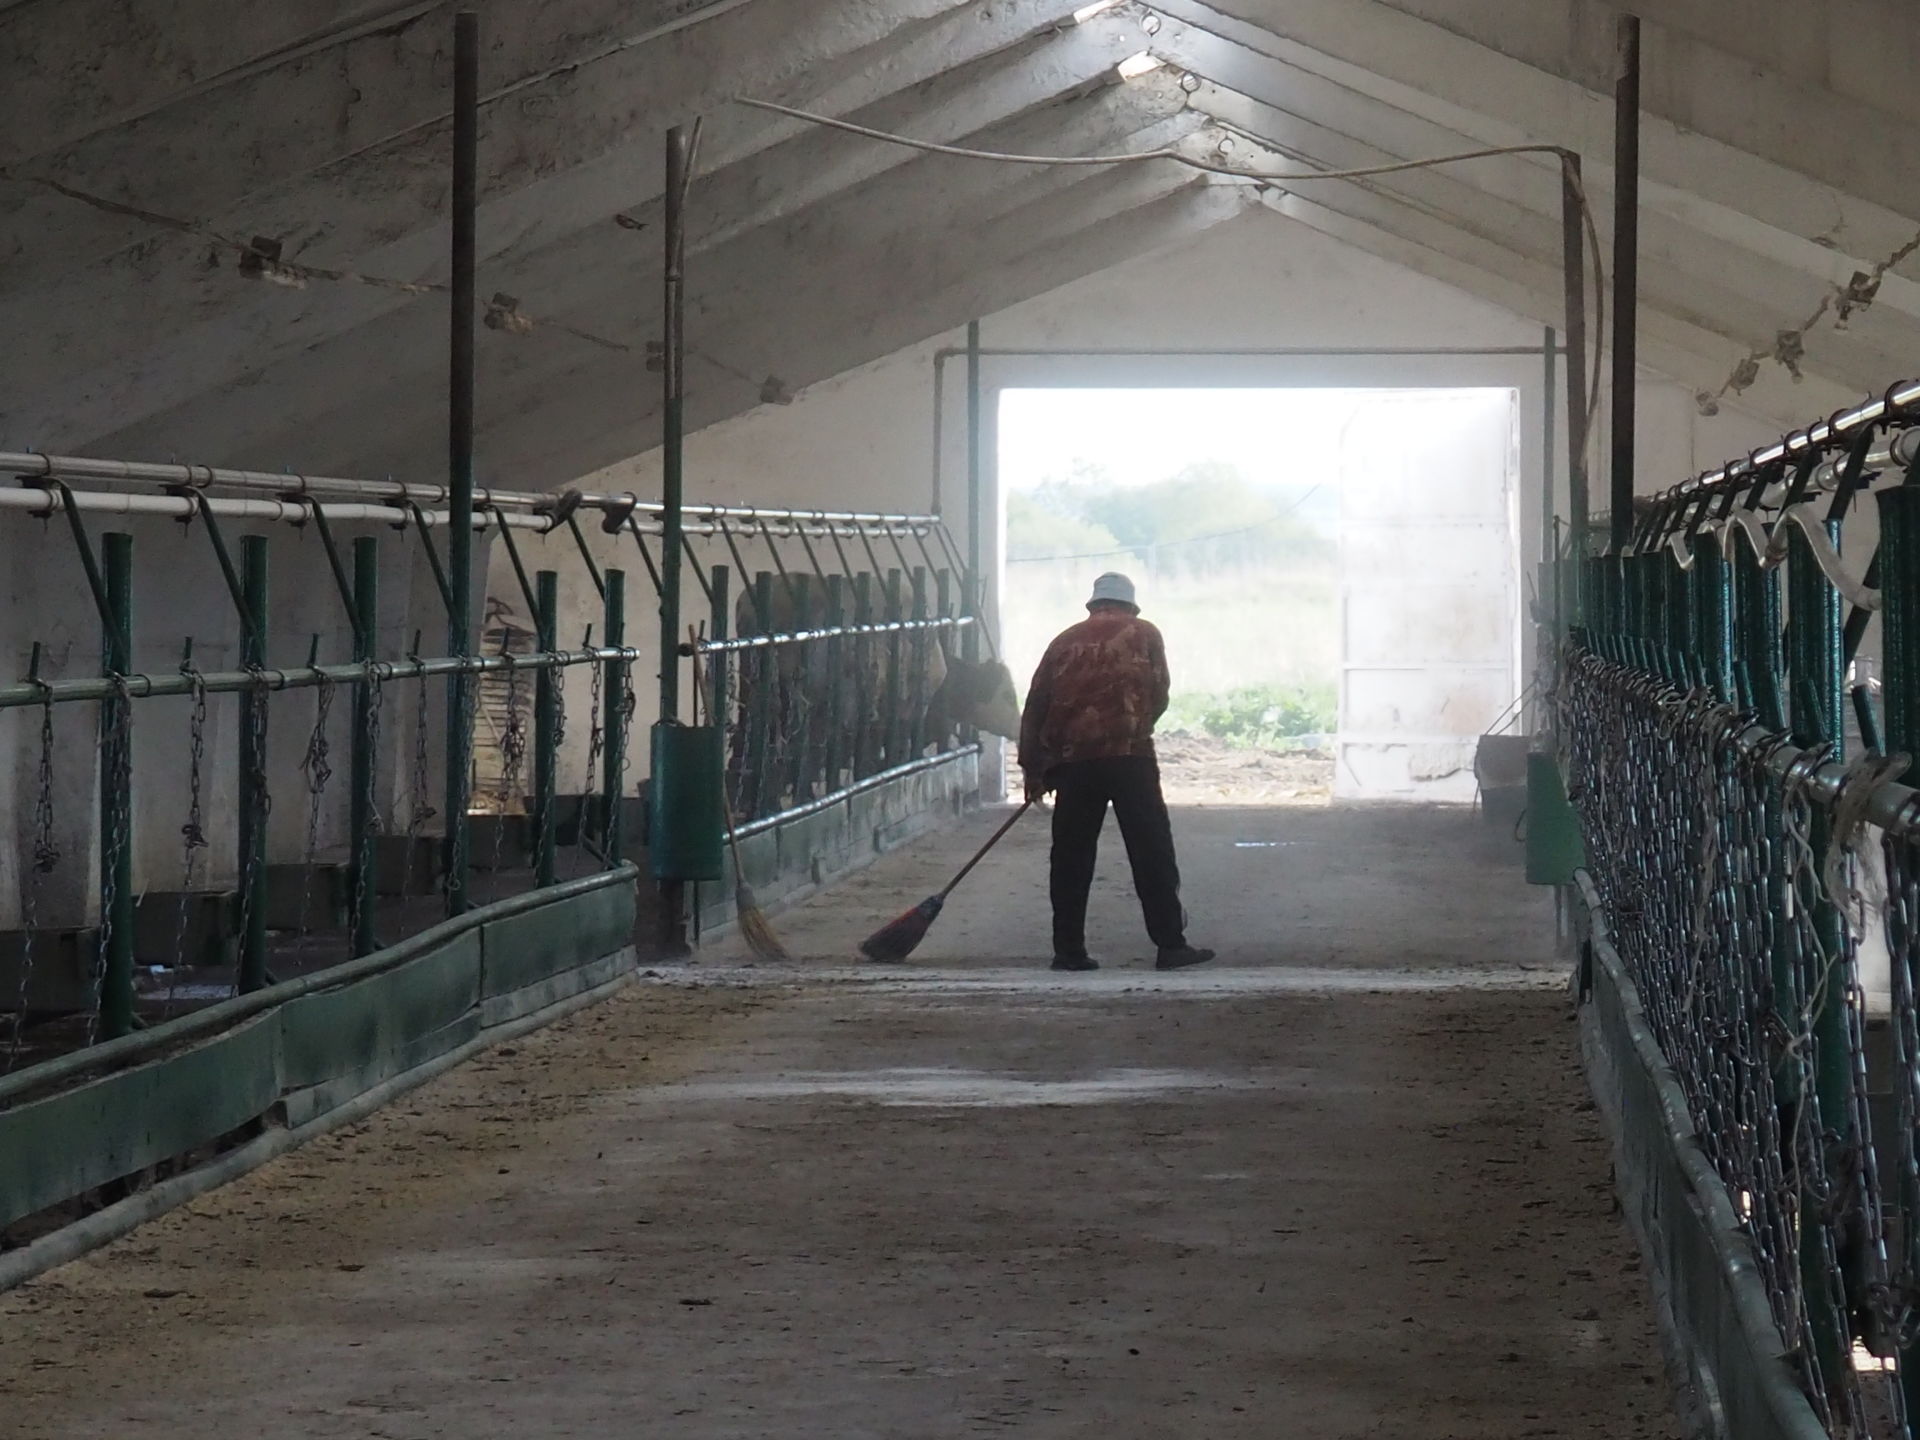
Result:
x=1344 y=1183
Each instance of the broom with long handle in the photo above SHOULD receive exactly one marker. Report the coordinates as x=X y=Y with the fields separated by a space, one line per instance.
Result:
x=755 y=928
x=896 y=940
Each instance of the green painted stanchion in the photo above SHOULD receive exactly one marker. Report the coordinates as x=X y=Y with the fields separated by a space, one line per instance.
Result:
x=546 y=728
x=116 y=793
x=366 y=712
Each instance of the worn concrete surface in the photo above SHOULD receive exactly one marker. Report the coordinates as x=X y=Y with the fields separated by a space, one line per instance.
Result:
x=1344 y=1184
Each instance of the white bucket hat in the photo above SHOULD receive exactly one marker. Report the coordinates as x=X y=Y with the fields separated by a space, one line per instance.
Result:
x=1112 y=588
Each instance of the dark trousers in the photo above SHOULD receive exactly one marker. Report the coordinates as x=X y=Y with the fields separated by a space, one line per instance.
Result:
x=1130 y=784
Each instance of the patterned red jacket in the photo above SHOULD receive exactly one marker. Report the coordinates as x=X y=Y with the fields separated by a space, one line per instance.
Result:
x=1099 y=689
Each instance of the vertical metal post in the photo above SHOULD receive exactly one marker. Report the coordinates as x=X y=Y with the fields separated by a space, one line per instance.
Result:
x=546 y=727
x=1626 y=270
x=917 y=711
x=763 y=711
x=865 y=731
x=943 y=607
x=896 y=730
x=614 y=723
x=719 y=700
x=466 y=171
x=673 y=419
x=252 y=784
x=1900 y=617
x=1573 y=246
x=1818 y=697
x=835 y=758
x=1713 y=602
x=366 y=638
x=116 y=794
x=975 y=593
x=1550 y=382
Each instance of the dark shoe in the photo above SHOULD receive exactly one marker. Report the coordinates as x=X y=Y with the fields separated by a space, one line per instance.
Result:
x=1183 y=957
x=1075 y=962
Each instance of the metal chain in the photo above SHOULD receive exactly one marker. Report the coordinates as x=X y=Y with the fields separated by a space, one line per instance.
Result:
x=1725 y=890
x=46 y=856
x=420 y=808
x=256 y=700
x=118 y=747
x=318 y=767
x=193 y=835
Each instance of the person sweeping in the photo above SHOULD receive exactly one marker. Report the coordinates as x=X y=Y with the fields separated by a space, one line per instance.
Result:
x=1086 y=735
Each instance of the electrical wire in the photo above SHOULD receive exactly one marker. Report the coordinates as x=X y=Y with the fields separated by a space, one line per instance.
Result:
x=1166 y=152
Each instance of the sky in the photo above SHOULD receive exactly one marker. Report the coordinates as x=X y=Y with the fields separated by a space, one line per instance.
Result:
x=1274 y=437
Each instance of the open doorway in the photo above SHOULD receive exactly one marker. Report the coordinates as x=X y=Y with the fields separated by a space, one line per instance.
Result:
x=1335 y=572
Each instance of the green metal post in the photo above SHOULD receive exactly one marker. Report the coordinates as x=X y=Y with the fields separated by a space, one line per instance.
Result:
x=546 y=727
x=835 y=758
x=253 y=769
x=763 y=786
x=975 y=594
x=1713 y=616
x=116 y=794
x=1899 y=553
x=866 y=735
x=614 y=724
x=1900 y=617
x=1817 y=705
x=679 y=174
x=366 y=640
x=719 y=692
x=896 y=730
x=916 y=716
x=943 y=607
x=466 y=172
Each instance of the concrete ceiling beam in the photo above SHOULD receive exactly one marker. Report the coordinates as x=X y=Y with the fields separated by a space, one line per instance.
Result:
x=1861 y=211
x=1748 y=298
x=388 y=377
x=1668 y=345
x=220 y=327
x=339 y=159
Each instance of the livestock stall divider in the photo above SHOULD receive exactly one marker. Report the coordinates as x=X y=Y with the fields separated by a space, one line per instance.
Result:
x=1749 y=914
x=154 y=888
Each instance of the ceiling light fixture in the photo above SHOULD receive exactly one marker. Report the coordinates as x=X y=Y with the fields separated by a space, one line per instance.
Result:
x=1145 y=63
x=1087 y=12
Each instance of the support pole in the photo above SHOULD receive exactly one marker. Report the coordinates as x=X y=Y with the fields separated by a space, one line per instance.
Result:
x=360 y=877
x=253 y=768
x=466 y=168
x=1573 y=248
x=720 y=627
x=1626 y=271
x=546 y=726
x=614 y=723
x=1900 y=619
x=116 y=794
x=975 y=593
x=672 y=441
x=1549 y=567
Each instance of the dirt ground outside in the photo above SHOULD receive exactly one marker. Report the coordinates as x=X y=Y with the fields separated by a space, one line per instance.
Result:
x=1199 y=770
x=1344 y=1183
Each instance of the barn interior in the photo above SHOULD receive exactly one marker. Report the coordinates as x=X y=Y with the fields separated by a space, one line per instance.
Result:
x=525 y=533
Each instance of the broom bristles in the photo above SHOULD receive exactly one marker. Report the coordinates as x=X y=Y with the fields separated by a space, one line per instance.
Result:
x=755 y=928
x=897 y=939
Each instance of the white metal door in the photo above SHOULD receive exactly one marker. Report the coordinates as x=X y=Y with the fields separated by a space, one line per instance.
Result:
x=1429 y=600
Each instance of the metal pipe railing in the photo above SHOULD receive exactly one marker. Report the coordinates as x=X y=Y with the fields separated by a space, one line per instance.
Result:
x=30 y=465
x=801 y=637
x=267 y=679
